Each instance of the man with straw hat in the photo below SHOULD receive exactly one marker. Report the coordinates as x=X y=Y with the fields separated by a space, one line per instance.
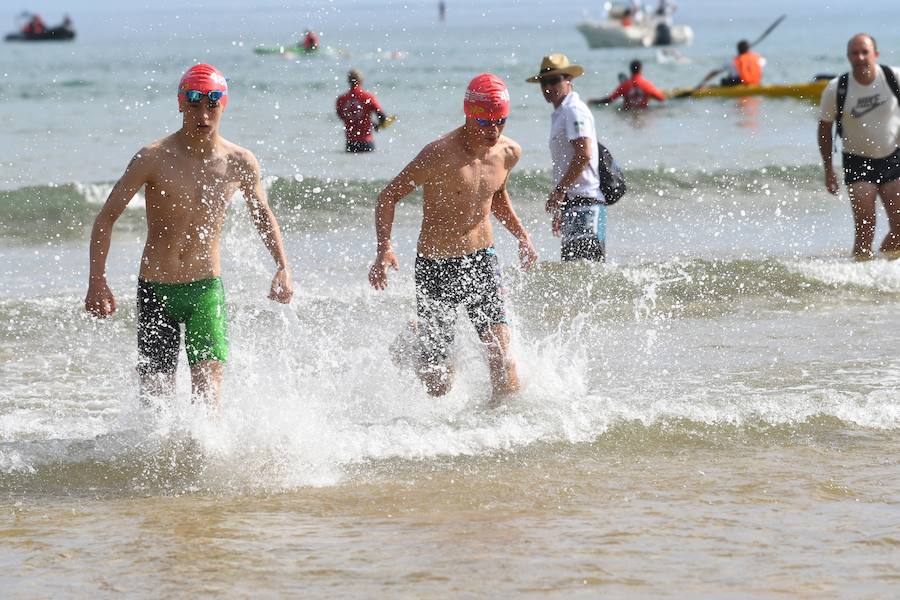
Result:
x=576 y=202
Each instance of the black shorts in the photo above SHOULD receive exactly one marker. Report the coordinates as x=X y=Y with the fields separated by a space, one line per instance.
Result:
x=877 y=171
x=360 y=146
x=442 y=284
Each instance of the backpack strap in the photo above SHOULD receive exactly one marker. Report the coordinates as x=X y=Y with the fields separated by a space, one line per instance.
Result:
x=891 y=81
x=843 y=82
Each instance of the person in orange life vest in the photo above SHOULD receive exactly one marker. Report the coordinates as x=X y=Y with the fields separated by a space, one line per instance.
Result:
x=355 y=108
x=635 y=92
x=745 y=69
x=310 y=41
x=627 y=20
x=35 y=26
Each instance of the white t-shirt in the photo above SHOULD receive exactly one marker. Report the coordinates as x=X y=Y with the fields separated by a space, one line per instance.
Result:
x=572 y=120
x=871 y=119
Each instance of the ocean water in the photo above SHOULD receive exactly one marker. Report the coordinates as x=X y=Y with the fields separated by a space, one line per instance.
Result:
x=712 y=413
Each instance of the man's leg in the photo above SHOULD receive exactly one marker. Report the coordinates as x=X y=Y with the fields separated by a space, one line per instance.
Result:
x=583 y=233
x=890 y=196
x=206 y=339
x=206 y=381
x=435 y=337
x=504 y=376
x=436 y=321
x=584 y=249
x=862 y=201
x=155 y=385
x=159 y=338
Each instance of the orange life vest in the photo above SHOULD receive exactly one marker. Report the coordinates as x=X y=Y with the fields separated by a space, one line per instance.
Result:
x=749 y=68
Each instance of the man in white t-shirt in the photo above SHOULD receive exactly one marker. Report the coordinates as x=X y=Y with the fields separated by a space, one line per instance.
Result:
x=870 y=123
x=576 y=202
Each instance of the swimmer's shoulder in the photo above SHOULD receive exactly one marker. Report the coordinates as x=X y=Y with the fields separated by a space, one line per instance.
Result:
x=242 y=163
x=239 y=156
x=440 y=149
x=446 y=143
x=510 y=150
x=149 y=157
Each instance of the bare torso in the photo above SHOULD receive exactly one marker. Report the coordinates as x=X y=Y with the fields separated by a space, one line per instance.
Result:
x=186 y=199
x=458 y=194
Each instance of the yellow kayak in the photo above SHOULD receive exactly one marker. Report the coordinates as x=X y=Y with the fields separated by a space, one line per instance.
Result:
x=811 y=90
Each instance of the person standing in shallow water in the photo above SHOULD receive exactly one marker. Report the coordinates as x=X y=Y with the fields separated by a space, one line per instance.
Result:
x=870 y=129
x=635 y=91
x=188 y=179
x=463 y=176
x=355 y=108
x=576 y=202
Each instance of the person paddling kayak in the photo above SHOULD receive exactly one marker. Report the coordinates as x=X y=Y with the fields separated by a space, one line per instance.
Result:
x=745 y=69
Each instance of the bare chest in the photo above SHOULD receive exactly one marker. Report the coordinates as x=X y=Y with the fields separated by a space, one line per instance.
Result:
x=190 y=192
x=465 y=189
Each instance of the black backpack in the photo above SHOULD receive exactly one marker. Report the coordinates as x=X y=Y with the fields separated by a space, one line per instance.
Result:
x=844 y=81
x=612 y=180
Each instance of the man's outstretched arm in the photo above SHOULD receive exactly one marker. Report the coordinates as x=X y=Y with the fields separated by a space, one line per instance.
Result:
x=413 y=175
x=826 y=147
x=99 y=300
x=264 y=219
x=502 y=209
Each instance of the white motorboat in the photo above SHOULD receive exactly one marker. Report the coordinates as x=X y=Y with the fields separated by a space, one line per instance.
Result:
x=626 y=25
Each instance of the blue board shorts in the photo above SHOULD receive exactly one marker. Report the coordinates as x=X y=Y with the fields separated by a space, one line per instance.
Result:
x=583 y=231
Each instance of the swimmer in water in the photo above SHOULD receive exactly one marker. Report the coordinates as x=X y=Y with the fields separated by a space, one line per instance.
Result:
x=463 y=175
x=188 y=179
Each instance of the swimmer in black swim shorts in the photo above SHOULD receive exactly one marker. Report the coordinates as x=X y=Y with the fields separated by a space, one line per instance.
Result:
x=442 y=284
x=463 y=177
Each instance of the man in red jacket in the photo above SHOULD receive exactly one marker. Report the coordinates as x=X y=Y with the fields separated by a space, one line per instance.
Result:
x=635 y=92
x=355 y=108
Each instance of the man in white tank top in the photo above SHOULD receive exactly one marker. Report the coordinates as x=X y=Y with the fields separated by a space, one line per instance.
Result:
x=870 y=120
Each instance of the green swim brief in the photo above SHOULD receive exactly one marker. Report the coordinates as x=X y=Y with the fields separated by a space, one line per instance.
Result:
x=200 y=305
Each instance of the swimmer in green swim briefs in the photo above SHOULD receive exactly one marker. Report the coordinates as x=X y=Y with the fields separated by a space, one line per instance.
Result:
x=188 y=179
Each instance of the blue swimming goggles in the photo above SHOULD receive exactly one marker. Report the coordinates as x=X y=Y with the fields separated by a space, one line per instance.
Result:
x=488 y=123
x=212 y=96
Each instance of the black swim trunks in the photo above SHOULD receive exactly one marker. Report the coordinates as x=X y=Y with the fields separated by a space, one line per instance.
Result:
x=360 y=146
x=877 y=171
x=442 y=284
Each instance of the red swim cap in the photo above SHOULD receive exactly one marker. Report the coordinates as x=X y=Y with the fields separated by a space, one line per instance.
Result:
x=204 y=78
x=486 y=98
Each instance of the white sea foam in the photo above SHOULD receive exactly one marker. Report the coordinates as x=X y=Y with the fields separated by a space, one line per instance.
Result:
x=881 y=275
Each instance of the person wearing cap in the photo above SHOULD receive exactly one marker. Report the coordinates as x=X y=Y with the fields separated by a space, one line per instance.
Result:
x=355 y=108
x=576 y=201
x=188 y=178
x=463 y=176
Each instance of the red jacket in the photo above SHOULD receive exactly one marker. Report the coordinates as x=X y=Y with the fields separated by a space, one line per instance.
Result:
x=636 y=92
x=355 y=108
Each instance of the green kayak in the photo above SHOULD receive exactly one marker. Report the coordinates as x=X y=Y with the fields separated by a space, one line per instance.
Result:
x=284 y=50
